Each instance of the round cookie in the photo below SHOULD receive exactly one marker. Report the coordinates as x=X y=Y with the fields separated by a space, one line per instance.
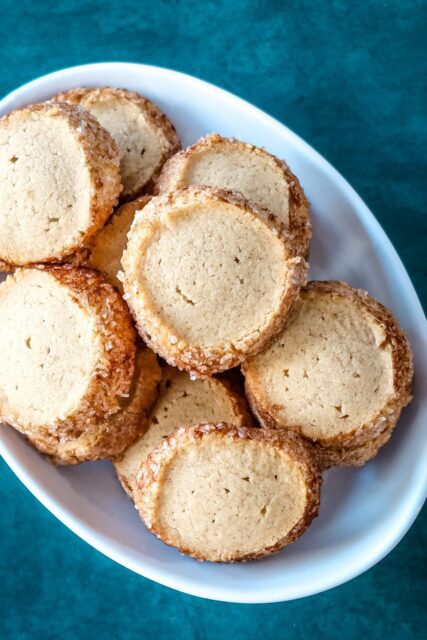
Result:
x=339 y=373
x=67 y=351
x=208 y=278
x=224 y=494
x=106 y=250
x=109 y=436
x=145 y=136
x=181 y=402
x=261 y=177
x=59 y=174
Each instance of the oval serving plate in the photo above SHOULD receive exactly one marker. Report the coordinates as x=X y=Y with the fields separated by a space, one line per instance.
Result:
x=364 y=512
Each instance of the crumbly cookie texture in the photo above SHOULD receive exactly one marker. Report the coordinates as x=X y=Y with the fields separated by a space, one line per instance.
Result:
x=59 y=171
x=105 y=252
x=182 y=402
x=67 y=351
x=145 y=136
x=224 y=494
x=209 y=278
x=261 y=177
x=340 y=373
x=110 y=436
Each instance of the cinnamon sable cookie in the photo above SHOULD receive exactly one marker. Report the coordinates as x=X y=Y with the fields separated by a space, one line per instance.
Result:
x=59 y=175
x=339 y=373
x=67 y=353
x=209 y=278
x=181 y=402
x=224 y=494
x=110 y=436
x=105 y=252
x=145 y=136
x=261 y=177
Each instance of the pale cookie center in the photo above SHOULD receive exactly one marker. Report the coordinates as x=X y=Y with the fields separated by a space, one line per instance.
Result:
x=241 y=170
x=48 y=356
x=214 y=279
x=136 y=138
x=45 y=190
x=330 y=371
x=222 y=497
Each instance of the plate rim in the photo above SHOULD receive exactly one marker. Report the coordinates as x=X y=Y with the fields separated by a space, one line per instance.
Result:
x=115 y=553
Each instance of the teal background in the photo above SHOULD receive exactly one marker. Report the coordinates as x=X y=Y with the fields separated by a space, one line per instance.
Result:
x=348 y=77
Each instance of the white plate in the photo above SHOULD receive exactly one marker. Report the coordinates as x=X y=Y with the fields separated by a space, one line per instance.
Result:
x=364 y=512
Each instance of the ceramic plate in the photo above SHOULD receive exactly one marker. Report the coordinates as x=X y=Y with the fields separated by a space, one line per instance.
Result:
x=364 y=512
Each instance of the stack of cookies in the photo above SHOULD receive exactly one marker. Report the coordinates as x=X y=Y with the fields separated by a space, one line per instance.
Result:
x=157 y=313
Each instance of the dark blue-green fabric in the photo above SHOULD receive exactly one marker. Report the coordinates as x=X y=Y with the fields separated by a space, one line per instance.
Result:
x=348 y=77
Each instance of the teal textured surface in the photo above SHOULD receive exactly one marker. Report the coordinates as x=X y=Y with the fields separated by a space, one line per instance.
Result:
x=350 y=82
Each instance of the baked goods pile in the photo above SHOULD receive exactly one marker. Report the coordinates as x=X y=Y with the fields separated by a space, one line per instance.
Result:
x=157 y=313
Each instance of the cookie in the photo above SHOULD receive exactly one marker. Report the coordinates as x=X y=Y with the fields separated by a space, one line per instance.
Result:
x=208 y=278
x=181 y=402
x=67 y=352
x=59 y=174
x=261 y=177
x=340 y=372
x=106 y=250
x=224 y=494
x=145 y=136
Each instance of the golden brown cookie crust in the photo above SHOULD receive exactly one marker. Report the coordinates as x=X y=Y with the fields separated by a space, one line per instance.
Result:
x=102 y=161
x=328 y=457
x=240 y=414
x=150 y=477
x=166 y=132
x=198 y=360
x=110 y=436
x=299 y=231
x=114 y=371
x=385 y=420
